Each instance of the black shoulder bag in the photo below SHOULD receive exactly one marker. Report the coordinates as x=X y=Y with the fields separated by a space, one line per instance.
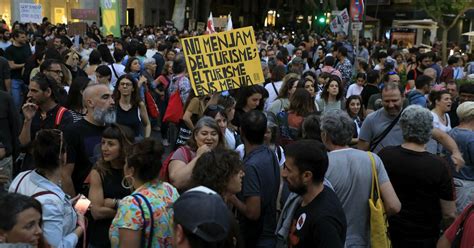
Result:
x=375 y=142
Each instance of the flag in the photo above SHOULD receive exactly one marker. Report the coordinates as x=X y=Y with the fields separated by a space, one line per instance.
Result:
x=111 y=17
x=343 y=19
x=334 y=25
x=210 y=25
x=229 y=23
x=357 y=10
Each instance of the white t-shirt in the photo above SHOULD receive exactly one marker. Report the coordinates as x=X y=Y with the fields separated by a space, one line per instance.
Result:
x=272 y=93
x=119 y=69
x=354 y=89
x=230 y=139
x=150 y=53
x=445 y=128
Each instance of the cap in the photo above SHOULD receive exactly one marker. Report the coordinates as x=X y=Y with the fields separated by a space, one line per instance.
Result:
x=202 y=212
x=466 y=109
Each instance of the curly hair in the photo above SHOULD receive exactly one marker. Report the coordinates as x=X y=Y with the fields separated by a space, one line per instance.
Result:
x=214 y=169
x=145 y=159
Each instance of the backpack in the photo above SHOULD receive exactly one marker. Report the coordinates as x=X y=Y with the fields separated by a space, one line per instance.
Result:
x=287 y=134
x=164 y=171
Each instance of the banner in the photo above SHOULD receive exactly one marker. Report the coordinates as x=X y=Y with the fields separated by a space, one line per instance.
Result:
x=222 y=61
x=30 y=12
x=334 y=25
x=357 y=10
x=343 y=19
x=84 y=14
x=111 y=16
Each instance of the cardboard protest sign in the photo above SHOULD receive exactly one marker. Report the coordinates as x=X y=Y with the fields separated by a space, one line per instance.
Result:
x=222 y=61
x=30 y=12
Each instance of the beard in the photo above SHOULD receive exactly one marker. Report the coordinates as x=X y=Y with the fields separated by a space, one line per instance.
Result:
x=105 y=116
x=300 y=189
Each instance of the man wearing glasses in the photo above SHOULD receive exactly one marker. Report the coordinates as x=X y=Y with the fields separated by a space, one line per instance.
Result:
x=52 y=68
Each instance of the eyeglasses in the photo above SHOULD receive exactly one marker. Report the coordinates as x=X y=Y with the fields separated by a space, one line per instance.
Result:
x=56 y=71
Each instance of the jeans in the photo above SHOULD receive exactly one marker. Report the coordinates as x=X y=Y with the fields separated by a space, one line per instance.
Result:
x=18 y=89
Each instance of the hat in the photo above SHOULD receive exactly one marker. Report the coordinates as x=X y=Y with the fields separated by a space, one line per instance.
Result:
x=465 y=110
x=202 y=212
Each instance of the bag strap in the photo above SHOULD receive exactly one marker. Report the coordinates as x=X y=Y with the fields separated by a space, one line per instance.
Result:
x=375 y=189
x=382 y=135
x=21 y=180
x=150 y=210
x=459 y=232
x=59 y=116
x=113 y=69
x=46 y=192
x=274 y=88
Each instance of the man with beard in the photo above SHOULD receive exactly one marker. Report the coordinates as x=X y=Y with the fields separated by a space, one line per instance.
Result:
x=17 y=54
x=319 y=219
x=350 y=175
x=4 y=39
x=423 y=61
x=83 y=136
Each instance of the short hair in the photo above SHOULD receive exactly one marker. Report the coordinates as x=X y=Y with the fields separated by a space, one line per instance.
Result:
x=329 y=61
x=145 y=159
x=17 y=32
x=421 y=57
x=309 y=155
x=253 y=127
x=392 y=86
x=214 y=169
x=311 y=127
x=338 y=126
x=465 y=112
x=342 y=50
x=13 y=204
x=423 y=81
x=453 y=59
x=373 y=76
x=278 y=72
x=48 y=146
x=95 y=58
x=209 y=122
x=416 y=123
x=141 y=49
x=118 y=55
x=45 y=82
x=179 y=65
x=47 y=64
x=149 y=61
x=382 y=55
x=467 y=88
x=104 y=70
x=436 y=96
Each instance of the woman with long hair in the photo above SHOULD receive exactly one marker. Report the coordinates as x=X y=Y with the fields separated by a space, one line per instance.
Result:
x=145 y=218
x=249 y=99
x=105 y=54
x=162 y=97
x=45 y=185
x=106 y=189
x=131 y=110
x=206 y=136
x=282 y=102
x=441 y=102
x=94 y=61
x=356 y=112
x=332 y=95
x=74 y=98
x=218 y=112
x=301 y=105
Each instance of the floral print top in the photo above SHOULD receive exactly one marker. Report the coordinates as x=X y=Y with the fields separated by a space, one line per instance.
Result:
x=161 y=196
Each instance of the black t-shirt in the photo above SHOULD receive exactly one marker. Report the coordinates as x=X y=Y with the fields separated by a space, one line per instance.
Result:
x=368 y=91
x=420 y=180
x=413 y=74
x=83 y=149
x=321 y=223
x=4 y=73
x=18 y=55
x=37 y=123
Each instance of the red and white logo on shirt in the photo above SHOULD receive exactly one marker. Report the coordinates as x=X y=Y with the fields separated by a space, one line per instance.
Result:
x=300 y=222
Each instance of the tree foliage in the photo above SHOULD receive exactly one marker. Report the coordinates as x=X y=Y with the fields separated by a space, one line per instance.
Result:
x=439 y=9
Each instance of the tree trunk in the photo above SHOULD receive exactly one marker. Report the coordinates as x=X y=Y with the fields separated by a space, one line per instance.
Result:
x=444 y=46
x=179 y=13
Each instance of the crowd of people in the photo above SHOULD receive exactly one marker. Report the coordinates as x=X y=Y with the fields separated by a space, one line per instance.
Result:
x=289 y=162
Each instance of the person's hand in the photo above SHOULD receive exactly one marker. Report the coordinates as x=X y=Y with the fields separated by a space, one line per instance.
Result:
x=3 y=178
x=141 y=81
x=29 y=110
x=458 y=161
x=201 y=150
x=2 y=152
x=74 y=200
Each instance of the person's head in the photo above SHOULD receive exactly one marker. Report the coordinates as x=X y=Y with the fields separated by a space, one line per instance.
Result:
x=133 y=65
x=249 y=98
x=373 y=77
x=253 y=127
x=43 y=89
x=392 y=99
x=228 y=102
x=311 y=127
x=19 y=36
x=52 y=69
x=306 y=163
x=220 y=170
x=453 y=60
x=74 y=97
x=430 y=72
x=307 y=83
x=391 y=77
x=95 y=58
x=201 y=219
x=382 y=57
x=301 y=102
x=49 y=149
x=72 y=59
x=126 y=85
x=218 y=113
x=109 y=39
x=341 y=52
x=115 y=145
x=290 y=83
x=143 y=164
x=465 y=112
x=298 y=52
x=354 y=106
x=423 y=83
x=100 y=105
x=441 y=100
x=424 y=61
x=466 y=92
x=416 y=123
x=119 y=55
x=333 y=89
x=103 y=74
x=278 y=73
x=398 y=56
x=170 y=55
x=452 y=88
x=105 y=53
x=337 y=128
x=150 y=65
x=206 y=132
x=329 y=61
x=57 y=42
x=21 y=217
x=361 y=78
x=179 y=65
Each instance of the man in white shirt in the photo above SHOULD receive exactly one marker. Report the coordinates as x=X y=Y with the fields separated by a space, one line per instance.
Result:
x=117 y=68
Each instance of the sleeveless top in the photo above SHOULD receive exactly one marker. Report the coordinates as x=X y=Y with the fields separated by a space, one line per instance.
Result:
x=98 y=230
x=130 y=118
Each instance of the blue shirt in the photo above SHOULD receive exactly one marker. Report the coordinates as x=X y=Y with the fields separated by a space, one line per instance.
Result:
x=465 y=140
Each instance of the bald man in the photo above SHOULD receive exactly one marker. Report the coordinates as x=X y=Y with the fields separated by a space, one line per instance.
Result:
x=83 y=137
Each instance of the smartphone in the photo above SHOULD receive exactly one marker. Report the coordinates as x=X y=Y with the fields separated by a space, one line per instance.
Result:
x=82 y=205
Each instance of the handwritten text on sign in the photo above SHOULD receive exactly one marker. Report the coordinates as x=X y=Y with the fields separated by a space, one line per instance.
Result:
x=30 y=12
x=222 y=61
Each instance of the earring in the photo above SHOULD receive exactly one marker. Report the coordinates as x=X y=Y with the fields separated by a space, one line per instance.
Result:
x=126 y=184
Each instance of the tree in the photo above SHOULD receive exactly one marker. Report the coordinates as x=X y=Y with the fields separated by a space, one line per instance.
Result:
x=443 y=11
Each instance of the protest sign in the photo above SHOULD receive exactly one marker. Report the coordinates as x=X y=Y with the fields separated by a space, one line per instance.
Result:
x=77 y=28
x=30 y=12
x=84 y=14
x=222 y=61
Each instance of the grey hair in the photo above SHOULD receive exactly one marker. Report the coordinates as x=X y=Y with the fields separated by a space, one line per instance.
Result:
x=338 y=126
x=416 y=123
x=149 y=61
x=150 y=42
